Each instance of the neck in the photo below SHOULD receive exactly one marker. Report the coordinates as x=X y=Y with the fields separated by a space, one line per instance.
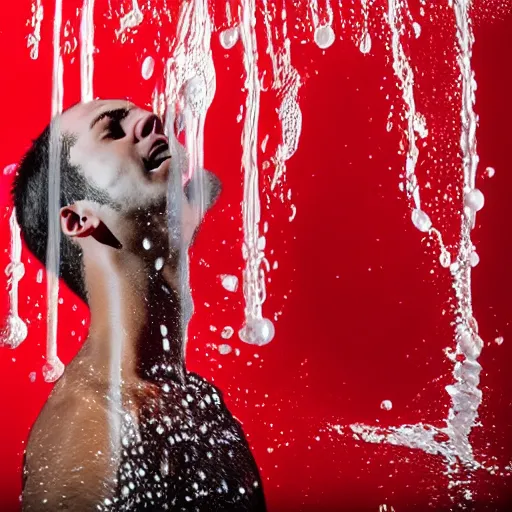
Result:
x=137 y=328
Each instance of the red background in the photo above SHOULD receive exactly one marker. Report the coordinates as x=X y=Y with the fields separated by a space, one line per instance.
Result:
x=363 y=306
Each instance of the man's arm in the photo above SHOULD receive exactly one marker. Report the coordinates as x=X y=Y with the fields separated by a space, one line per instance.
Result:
x=69 y=461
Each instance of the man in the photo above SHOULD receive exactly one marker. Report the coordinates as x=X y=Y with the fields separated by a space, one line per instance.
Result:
x=126 y=427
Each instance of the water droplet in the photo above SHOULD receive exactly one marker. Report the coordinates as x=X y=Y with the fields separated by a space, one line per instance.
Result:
x=166 y=345
x=229 y=37
x=499 y=340
x=366 y=43
x=417 y=29
x=474 y=200
x=163 y=330
x=445 y=259
x=148 y=67
x=227 y=332
x=32 y=376
x=257 y=331
x=146 y=244
x=474 y=259
x=490 y=172
x=225 y=349
x=229 y=282
x=10 y=169
x=421 y=220
x=386 y=405
x=159 y=263
x=324 y=36
x=39 y=276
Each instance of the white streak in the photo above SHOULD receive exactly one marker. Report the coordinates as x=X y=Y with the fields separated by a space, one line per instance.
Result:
x=34 y=38
x=130 y=20
x=15 y=331
x=87 y=50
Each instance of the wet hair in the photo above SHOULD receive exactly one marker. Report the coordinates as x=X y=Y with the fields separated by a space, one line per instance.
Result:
x=30 y=195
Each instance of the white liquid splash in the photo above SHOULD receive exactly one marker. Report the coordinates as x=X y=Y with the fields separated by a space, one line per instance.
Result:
x=130 y=20
x=87 y=51
x=15 y=331
x=256 y=329
x=54 y=368
x=34 y=38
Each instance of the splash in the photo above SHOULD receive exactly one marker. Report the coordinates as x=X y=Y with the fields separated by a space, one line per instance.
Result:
x=256 y=330
x=35 y=37
x=54 y=368
x=15 y=331
x=87 y=50
x=130 y=20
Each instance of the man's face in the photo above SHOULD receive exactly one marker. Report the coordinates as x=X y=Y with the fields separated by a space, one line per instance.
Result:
x=123 y=150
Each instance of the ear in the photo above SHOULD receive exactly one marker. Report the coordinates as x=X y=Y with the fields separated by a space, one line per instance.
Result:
x=79 y=221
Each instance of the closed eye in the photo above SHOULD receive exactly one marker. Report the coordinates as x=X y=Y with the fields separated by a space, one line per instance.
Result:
x=113 y=128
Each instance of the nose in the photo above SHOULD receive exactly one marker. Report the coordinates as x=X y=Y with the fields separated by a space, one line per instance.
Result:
x=148 y=124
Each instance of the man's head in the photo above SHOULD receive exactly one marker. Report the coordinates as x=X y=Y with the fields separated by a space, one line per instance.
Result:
x=114 y=183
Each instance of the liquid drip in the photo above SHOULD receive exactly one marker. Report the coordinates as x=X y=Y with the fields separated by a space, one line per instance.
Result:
x=87 y=50
x=148 y=66
x=229 y=37
x=15 y=330
x=35 y=37
x=54 y=367
x=366 y=41
x=256 y=329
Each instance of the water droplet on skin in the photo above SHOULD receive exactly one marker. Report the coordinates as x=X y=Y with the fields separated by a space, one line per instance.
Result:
x=229 y=37
x=225 y=349
x=163 y=330
x=324 y=36
x=366 y=43
x=146 y=244
x=421 y=220
x=474 y=259
x=229 y=282
x=257 y=331
x=386 y=405
x=148 y=67
x=227 y=332
x=159 y=263
x=474 y=200
x=52 y=370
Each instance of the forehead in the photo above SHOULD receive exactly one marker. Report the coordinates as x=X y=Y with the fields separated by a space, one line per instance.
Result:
x=78 y=118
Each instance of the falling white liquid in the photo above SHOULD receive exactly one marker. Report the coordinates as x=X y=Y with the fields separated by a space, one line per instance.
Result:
x=34 y=38
x=366 y=41
x=87 y=50
x=229 y=282
x=229 y=37
x=322 y=24
x=54 y=368
x=148 y=66
x=130 y=20
x=256 y=329
x=15 y=331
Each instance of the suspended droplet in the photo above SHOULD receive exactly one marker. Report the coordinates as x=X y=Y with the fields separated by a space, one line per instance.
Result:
x=225 y=349
x=445 y=259
x=229 y=37
x=386 y=405
x=32 y=376
x=490 y=172
x=366 y=43
x=417 y=29
x=148 y=67
x=53 y=369
x=229 y=282
x=421 y=220
x=257 y=331
x=499 y=340
x=474 y=200
x=15 y=332
x=227 y=332
x=146 y=244
x=474 y=259
x=324 y=36
x=10 y=169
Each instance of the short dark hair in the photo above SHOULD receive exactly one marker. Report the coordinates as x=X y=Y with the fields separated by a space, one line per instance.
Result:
x=30 y=195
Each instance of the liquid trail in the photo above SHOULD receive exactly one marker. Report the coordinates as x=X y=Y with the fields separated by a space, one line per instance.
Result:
x=256 y=330
x=87 y=51
x=190 y=88
x=15 y=331
x=34 y=38
x=365 y=44
x=130 y=20
x=322 y=24
x=53 y=368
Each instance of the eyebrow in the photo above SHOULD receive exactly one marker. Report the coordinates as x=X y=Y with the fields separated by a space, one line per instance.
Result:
x=117 y=113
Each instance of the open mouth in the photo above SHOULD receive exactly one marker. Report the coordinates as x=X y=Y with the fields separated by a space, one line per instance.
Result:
x=158 y=154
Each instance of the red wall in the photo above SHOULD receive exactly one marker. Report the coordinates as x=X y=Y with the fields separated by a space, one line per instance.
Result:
x=364 y=308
